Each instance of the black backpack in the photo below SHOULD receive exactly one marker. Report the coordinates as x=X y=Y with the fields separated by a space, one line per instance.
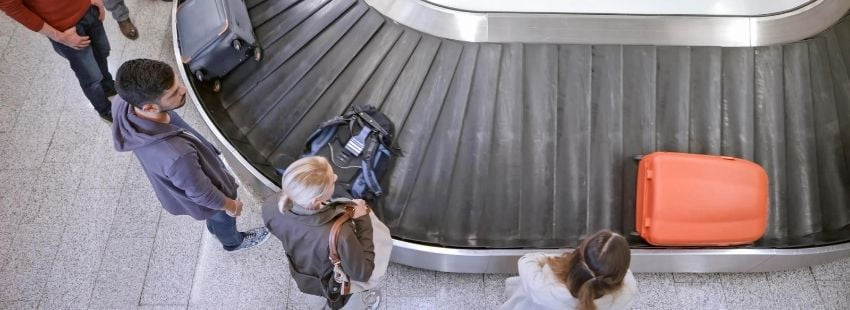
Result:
x=359 y=146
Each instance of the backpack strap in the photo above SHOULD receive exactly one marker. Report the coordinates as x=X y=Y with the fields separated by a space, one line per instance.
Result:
x=339 y=275
x=370 y=178
x=319 y=139
x=366 y=171
x=366 y=120
x=395 y=150
x=324 y=134
x=372 y=123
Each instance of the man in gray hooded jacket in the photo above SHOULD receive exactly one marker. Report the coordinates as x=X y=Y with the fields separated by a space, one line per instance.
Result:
x=184 y=168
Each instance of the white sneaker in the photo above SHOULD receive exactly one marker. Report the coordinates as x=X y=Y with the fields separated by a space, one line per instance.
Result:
x=371 y=298
x=253 y=237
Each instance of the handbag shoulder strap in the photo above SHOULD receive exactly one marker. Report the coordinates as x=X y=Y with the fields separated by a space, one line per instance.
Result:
x=339 y=275
x=334 y=235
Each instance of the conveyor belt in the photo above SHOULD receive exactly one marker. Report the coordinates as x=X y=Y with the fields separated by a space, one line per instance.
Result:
x=531 y=145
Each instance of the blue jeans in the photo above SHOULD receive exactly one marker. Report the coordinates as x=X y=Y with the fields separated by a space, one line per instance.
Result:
x=223 y=227
x=119 y=10
x=89 y=64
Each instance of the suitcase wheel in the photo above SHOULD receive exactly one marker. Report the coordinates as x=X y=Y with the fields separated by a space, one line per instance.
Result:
x=237 y=45
x=258 y=53
x=200 y=75
x=216 y=87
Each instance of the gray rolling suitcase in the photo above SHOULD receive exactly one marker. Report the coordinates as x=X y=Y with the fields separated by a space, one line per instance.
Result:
x=214 y=37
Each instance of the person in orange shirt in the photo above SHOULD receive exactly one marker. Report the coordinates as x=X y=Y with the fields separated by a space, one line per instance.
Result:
x=75 y=29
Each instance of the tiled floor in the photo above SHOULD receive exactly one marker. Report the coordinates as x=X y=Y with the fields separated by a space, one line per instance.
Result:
x=80 y=227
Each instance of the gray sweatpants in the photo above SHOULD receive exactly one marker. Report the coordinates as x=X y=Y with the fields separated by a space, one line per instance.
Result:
x=119 y=10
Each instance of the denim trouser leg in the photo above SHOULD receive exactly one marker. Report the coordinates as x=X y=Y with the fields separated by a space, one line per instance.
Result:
x=89 y=63
x=101 y=52
x=223 y=227
x=119 y=10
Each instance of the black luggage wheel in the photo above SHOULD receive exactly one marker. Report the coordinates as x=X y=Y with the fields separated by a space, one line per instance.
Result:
x=200 y=75
x=258 y=53
x=216 y=85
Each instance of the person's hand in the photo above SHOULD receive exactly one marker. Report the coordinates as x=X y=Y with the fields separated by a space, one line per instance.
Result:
x=71 y=39
x=101 y=10
x=360 y=208
x=233 y=207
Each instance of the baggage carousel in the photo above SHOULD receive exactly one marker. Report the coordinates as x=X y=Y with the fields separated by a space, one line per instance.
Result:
x=519 y=132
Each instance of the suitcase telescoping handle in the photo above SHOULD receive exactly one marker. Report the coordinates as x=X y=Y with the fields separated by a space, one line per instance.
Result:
x=647 y=183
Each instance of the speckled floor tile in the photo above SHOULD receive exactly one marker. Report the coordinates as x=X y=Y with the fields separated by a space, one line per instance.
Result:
x=218 y=273
x=656 y=291
x=75 y=268
x=412 y=303
x=265 y=267
x=5 y=248
x=795 y=288
x=837 y=270
x=162 y=307
x=33 y=250
x=137 y=214
x=748 y=291
x=463 y=290
x=835 y=294
x=700 y=295
x=19 y=305
x=404 y=281
x=697 y=277
x=173 y=260
x=17 y=205
x=494 y=289
x=91 y=207
x=122 y=272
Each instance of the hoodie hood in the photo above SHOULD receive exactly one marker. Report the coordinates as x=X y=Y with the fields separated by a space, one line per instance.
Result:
x=131 y=132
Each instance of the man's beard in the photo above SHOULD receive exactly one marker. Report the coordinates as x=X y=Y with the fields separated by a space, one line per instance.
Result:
x=182 y=103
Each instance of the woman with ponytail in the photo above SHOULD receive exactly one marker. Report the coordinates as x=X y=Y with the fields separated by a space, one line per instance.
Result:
x=302 y=219
x=594 y=276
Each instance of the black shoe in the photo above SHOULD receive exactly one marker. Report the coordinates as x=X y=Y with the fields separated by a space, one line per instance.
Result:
x=106 y=117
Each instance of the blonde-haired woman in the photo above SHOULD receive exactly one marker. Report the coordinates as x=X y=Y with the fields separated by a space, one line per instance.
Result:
x=302 y=219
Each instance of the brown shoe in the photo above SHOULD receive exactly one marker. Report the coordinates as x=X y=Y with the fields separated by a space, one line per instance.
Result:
x=128 y=29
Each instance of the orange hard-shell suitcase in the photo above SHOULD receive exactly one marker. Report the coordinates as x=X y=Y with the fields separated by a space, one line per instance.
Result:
x=700 y=200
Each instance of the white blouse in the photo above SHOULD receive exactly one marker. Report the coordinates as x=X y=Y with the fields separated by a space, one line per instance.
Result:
x=537 y=287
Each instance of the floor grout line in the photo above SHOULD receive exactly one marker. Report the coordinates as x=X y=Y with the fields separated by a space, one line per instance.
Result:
x=150 y=258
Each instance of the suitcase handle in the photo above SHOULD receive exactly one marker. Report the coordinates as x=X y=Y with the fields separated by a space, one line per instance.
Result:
x=647 y=184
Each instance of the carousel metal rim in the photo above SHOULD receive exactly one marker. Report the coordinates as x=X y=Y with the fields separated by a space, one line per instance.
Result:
x=643 y=260
x=794 y=25
x=504 y=260
x=717 y=8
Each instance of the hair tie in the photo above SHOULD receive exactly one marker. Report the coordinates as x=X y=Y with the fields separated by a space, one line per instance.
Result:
x=588 y=269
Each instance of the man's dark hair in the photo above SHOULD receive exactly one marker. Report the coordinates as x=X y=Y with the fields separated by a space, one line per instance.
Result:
x=141 y=81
